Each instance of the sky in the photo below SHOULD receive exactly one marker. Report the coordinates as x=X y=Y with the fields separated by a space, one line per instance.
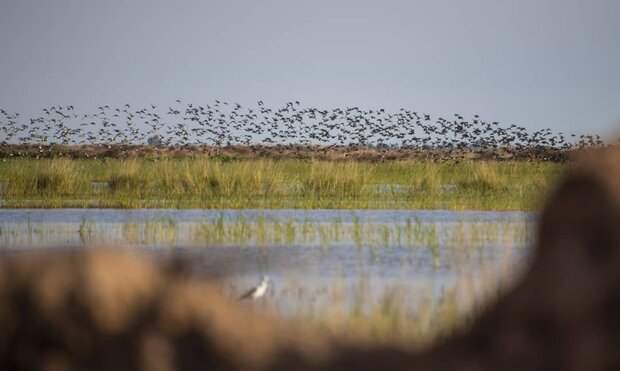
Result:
x=536 y=63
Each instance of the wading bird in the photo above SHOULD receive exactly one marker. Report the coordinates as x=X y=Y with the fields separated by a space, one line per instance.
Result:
x=258 y=291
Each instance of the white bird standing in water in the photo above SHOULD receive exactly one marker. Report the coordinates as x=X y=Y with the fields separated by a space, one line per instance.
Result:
x=258 y=291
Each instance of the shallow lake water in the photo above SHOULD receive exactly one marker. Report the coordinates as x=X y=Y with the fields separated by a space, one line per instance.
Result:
x=316 y=259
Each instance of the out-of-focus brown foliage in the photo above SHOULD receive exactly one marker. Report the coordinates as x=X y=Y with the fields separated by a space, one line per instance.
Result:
x=106 y=309
x=563 y=314
x=111 y=310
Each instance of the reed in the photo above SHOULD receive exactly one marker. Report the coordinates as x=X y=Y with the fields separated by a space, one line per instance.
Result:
x=459 y=238
x=391 y=318
x=204 y=182
x=332 y=179
x=57 y=177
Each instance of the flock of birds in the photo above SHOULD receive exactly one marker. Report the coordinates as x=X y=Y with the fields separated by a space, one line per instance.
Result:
x=222 y=124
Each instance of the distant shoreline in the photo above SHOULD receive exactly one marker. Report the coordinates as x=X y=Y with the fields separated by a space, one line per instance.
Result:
x=237 y=180
x=302 y=152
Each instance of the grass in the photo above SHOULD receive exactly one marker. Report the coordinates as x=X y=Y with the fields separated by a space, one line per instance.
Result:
x=240 y=231
x=390 y=318
x=212 y=183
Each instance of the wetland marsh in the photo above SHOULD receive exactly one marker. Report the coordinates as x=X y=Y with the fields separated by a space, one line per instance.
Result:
x=371 y=275
x=365 y=236
x=216 y=183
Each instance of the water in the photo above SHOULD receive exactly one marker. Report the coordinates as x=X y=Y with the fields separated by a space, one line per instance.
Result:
x=70 y=216
x=316 y=258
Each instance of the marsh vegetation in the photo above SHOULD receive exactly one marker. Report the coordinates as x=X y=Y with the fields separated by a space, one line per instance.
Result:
x=260 y=183
x=368 y=275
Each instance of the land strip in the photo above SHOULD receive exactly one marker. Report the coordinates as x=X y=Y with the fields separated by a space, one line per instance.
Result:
x=223 y=182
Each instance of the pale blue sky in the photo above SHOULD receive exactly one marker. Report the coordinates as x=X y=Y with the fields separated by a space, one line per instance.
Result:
x=536 y=63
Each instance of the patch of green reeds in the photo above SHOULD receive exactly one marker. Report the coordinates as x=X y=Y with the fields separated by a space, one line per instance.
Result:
x=58 y=177
x=458 y=240
x=335 y=179
x=260 y=183
x=128 y=177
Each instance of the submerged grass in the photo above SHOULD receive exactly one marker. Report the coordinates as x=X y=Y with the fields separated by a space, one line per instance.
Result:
x=400 y=312
x=446 y=243
x=260 y=183
x=391 y=318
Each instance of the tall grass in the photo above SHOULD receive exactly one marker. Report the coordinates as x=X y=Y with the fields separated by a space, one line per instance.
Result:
x=56 y=177
x=210 y=183
x=333 y=179
x=128 y=177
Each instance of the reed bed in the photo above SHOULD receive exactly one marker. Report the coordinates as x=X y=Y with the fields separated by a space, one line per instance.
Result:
x=241 y=232
x=213 y=183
